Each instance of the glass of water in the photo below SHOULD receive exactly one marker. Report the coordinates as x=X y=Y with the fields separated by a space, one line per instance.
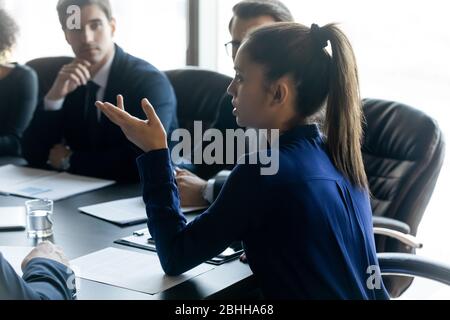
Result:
x=39 y=218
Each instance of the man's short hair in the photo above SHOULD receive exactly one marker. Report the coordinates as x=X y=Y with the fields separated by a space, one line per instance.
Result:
x=249 y=9
x=62 y=6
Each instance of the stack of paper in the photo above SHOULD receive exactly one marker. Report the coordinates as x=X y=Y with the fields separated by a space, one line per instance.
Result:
x=130 y=270
x=12 y=218
x=42 y=184
x=15 y=256
x=124 y=212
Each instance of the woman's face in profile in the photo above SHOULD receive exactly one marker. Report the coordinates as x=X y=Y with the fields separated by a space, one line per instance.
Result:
x=250 y=95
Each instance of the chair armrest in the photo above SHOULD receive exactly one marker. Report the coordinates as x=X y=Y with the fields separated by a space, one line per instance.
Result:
x=405 y=264
x=388 y=223
x=406 y=239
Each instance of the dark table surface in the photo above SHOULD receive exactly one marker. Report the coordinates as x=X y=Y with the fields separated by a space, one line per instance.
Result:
x=79 y=234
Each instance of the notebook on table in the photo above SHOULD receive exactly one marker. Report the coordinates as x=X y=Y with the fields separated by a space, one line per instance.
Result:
x=12 y=219
x=43 y=184
x=125 y=212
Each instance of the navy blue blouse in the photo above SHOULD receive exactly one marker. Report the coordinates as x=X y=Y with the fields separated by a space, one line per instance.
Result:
x=307 y=231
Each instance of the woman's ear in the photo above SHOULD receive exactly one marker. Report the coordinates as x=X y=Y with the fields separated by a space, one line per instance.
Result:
x=280 y=91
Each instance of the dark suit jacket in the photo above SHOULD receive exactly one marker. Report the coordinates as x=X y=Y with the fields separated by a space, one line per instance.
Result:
x=225 y=120
x=115 y=157
x=43 y=279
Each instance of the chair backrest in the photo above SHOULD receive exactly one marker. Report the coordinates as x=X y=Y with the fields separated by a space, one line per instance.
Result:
x=47 y=70
x=200 y=95
x=403 y=152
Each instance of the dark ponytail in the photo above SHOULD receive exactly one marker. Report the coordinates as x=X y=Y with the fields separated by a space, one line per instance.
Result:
x=325 y=84
x=343 y=122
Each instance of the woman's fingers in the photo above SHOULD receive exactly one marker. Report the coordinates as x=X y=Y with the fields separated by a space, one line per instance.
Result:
x=149 y=111
x=120 y=103
x=108 y=110
x=116 y=114
x=100 y=105
x=147 y=135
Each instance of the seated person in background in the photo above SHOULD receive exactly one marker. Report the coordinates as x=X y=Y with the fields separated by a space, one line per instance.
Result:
x=307 y=228
x=68 y=133
x=46 y=276
x=18 y=92
x=247 y=15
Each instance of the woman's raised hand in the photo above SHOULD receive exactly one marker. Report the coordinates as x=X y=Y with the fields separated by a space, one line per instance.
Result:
x=148 y=135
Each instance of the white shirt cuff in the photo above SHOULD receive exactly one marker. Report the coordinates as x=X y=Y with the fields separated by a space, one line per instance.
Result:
x=223 y=173
x=53 y=105
x=208 y=193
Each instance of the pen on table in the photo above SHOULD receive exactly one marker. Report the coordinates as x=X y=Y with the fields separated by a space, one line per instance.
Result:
x=4 y=194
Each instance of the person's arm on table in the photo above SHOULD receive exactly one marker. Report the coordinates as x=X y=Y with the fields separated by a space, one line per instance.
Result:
x=183 y=246
x=46 y=276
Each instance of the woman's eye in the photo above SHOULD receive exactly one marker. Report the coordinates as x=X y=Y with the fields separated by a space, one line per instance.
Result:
x=238 y=78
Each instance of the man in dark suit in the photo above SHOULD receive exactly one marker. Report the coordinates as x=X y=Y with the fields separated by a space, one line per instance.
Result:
x=247 y=15
x=68 y=133
x=46 y=276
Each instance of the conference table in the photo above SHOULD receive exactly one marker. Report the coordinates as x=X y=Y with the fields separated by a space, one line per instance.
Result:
x=80 y=234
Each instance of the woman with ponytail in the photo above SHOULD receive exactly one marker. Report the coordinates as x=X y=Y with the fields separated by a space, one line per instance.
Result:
x=307 y=230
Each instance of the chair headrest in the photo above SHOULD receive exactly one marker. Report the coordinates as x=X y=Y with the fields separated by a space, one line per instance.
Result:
x=398 y=131
x=199 y=92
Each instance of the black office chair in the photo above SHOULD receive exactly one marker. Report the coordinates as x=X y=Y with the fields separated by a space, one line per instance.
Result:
x=201 y=94
x=47 y=69
x=403 y=152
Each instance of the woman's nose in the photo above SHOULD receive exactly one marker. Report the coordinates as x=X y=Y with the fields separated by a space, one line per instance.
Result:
x=231 y=89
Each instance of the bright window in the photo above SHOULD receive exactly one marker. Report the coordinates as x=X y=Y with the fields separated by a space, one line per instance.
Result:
x=150 y=29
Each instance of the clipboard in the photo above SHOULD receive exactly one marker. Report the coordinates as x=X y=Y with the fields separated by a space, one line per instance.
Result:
x=142 y=239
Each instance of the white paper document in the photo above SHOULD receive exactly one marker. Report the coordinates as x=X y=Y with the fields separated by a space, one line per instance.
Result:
x=125 y=212
x=42 y=184
x=15 y=256
x=130 y=270
x=12 y=218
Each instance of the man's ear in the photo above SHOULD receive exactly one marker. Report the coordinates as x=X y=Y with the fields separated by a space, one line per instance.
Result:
x=66 y=36
x=113 y=25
